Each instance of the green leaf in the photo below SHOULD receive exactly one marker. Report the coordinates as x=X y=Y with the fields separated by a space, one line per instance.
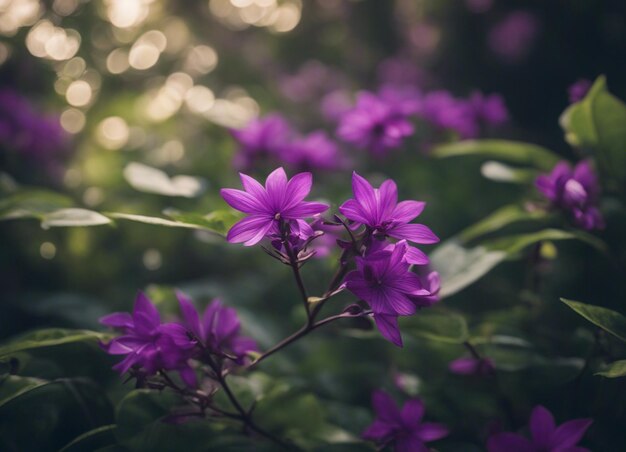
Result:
x=614 y=370
x=219 y=221
x=607 y=319
x=597 y=122
x=32 y=204
x=48 y=338
x=92 y=440
x=73 y=217
x=152 y=180
x=499 y=172
x=12 y=386
x=502 y=217
x=436 y=325
x=509 y=151
x=517 y=243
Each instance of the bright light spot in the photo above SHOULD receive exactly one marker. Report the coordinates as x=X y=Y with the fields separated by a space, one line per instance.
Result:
x=179 y=82
x=48 y=250
x=127 y=13
x=93 y=196
x=152 y=259
x=287 y=18
x=164 y=104
x=202 y=59
x=177 y=35
x=64 y=7
x=5 y=52
x=171 y=152
x=143 y=56
x=72 y=178
x=74 y=68
x=229 y=114
x=113 y=132
x=117 y=61
x=78 y=94
x=154 y=37
x=199 y=99
x=221 y=8
x=72 y=120
x=45 y=40
x=15 y=14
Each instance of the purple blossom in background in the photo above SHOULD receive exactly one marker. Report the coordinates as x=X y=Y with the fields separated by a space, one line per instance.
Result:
x=218 y=330
x=488 y=109
x=545 y=435
x=148 y=344
x=402 y=428
x=383 y=280
x=405 y=100
x=262 y=138
x=445 y=112
x=380 y=212
x=313 y=151
x=472 y=366
x=335 y=104
x=374 y=124
x=512 y=38
x=280 y=200
x=578 y=90
x=575 y=192
x=312 y=80
x=400 y=71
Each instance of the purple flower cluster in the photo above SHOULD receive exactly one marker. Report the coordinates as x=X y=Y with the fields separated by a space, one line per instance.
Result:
x=151 y=346
x=574 y=191
x=403 y=428
x=272 y=139
x=545 y=435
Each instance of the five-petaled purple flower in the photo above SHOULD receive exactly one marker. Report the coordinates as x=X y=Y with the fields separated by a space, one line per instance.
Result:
x=574 y=191
x=383 y=280
x=281 y=200
x=402 y=428
x=545 y=435
x=218 y=329
x=260 y=139
x=374 y=124
x=380 y=212
x=148 y=344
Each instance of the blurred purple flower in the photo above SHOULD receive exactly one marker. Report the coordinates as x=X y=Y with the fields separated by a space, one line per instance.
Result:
x=402 y=428
x=380 y=212
x=578 y=90
x=511 y=39
x=488 y=109
x=335 y=104
x=262 y=138
x=311 y=81
x=405 y=100
x=313 y=151
x=374 y=124
x=147 y=343
x=268 y=206
x=545 y=435
x=575 y=192
x=444 y=111
x=400 y=71
x=218 y=329
x=472 y=366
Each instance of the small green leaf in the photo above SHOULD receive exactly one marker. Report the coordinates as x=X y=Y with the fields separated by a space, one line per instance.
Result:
x=219 y=221
x=12 y=386
x=48 y=338
x=509 y=151
x=607 y=319
x=502 y=217
x=150 y=220
x=448 y=327
x=92 y=440
x=32 y=204
x=73 y=217
x=614 y=370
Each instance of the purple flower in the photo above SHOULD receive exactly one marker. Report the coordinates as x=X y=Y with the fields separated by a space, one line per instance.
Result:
x=218 y=329
x=400 y=70
x=281 y=200
x=148 y=344
x=262 y=138
x=444 y=111
x=405 y=100
x=380 y=212
x=313 y=151
x=472 y=366
x=374 y=124
x=488 y=109
x=403 y=428
x=546 y=436
x=312 y=80
x=577 y=91
x=512 y=38
x=574 y=191
x=384 y=281
x=335 y=104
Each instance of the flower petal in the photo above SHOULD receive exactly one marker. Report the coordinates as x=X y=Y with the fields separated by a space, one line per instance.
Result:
x=297 y=189
x=242 y=201
x=305 y=209
x=253 y=187
x=377 y=431
x=190 y=315
x=406 y=211
x=250 y=230
x=430 y=431
x=385 y=408
x=410 y=443
x=412 y=412
x=569 y=433
x=417 y=233
x=276 y=187
x=364 y=195
x=388 y=327
x=117 y=320
x=416 y=256
x=352 y=210
x=387 y=199
x=509 y=442
x=541 y=425
x=145 y=315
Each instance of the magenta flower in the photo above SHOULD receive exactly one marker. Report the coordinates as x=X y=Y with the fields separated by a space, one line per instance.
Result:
x=218 y=329
x=374 y=124
x=148 y=344
x=545 y=435
x=488 y=109
x=380 y=212
x=575 y=192
x=280 y=200
x=262 y=138
x=443 y=111
x=472 y=366
x=512 y=38
x=577 y=91
x=402 y=428
x=313 y=151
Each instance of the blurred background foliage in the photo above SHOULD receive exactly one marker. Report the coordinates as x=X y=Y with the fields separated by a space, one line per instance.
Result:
x=160 y=82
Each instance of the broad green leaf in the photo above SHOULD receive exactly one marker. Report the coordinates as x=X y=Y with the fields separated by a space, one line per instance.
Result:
x=150 y=220
x=502 y=217
x=607 y=319
x=219 y=221
x=73 y=217
x=92 y=440
x=32 y=204
x=614 y=370
x=448 y=327
x=48 y=338
x=517 y=243
x=509 y=151
x=597 y=123
x=152 y=180
x=499 y=172
x=12 y=386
